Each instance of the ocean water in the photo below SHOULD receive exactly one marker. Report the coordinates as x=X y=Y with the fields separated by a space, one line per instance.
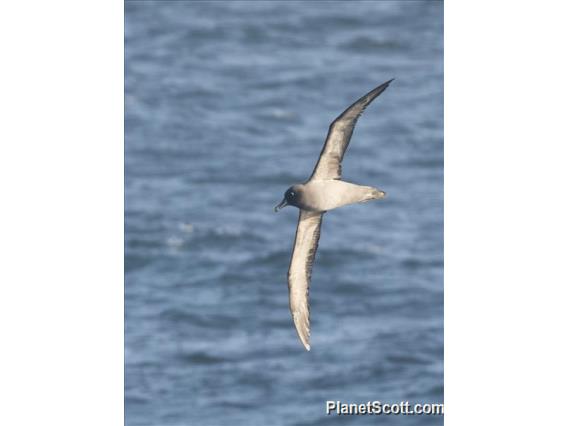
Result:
x=227 y=104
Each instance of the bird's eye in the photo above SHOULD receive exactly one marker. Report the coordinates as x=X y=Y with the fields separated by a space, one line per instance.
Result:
x=292 y=194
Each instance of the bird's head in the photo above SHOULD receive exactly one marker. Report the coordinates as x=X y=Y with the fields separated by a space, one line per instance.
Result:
x=292 y=197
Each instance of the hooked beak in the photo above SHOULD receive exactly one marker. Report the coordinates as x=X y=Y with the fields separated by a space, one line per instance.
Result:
x=282 y=204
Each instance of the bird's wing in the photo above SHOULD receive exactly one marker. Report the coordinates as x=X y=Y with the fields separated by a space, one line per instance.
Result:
x=339 y=135
x=305 y=246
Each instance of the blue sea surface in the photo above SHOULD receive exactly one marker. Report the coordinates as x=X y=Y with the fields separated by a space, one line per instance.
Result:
x=226 y=105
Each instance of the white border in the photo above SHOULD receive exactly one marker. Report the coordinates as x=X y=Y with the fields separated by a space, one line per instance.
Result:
x=506 y=212
x=61 y=225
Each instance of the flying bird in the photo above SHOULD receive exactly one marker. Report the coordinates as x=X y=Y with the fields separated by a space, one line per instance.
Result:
x=323 y=191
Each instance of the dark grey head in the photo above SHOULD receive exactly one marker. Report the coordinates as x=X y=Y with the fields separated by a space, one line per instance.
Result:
x=292 y=197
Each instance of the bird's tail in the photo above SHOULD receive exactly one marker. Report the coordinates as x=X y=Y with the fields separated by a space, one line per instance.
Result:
x=372 y=194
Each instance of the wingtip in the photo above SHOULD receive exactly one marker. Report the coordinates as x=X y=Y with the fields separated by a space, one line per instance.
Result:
x=380 y=89
x=302 y=324
x=305 y=339
x=306 y=343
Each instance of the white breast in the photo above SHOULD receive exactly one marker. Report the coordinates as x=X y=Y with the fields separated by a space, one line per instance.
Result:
x=325 y=195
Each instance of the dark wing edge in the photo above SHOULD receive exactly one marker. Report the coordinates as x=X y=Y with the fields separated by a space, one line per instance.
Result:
x=300 y=271
x=339 y=135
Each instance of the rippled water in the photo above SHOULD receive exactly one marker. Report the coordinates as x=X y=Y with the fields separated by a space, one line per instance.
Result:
x=227 y=104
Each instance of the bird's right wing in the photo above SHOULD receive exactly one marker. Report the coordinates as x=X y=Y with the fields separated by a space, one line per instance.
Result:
x=339 y=135
x=299 y=274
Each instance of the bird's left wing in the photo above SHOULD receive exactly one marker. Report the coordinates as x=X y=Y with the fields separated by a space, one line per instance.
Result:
x=339 y=135
x=299 y=274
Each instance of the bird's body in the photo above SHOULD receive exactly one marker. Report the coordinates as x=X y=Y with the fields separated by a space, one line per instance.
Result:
x=324 y=191
x=323 y=195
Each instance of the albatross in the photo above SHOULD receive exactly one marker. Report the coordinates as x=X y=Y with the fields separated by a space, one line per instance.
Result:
x=322 y=192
